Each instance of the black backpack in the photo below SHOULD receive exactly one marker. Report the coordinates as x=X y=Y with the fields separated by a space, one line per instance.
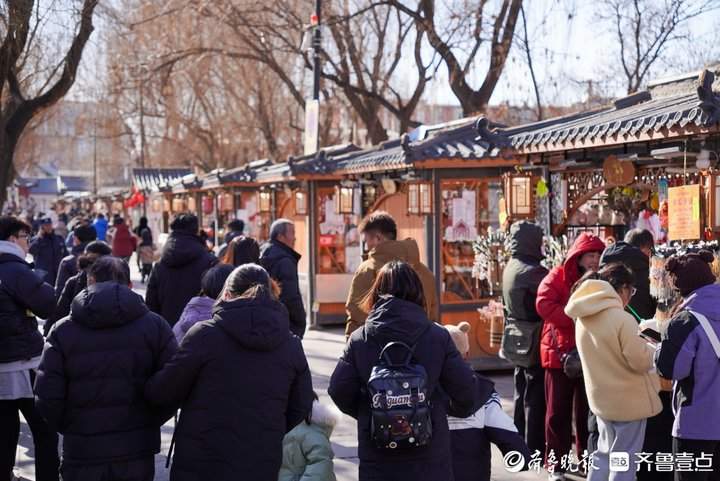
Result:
x=399 y=401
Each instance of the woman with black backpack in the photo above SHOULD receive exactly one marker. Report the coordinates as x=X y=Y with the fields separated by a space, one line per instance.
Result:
x=396 y=377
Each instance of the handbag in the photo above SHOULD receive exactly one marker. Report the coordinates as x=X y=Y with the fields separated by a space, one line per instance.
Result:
x=521 y=342
x=571 y=364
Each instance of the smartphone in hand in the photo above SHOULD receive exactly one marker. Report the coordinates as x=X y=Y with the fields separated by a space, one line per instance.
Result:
x=650 y=334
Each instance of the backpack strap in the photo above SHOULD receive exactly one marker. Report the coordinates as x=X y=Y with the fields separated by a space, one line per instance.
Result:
x=709 y=331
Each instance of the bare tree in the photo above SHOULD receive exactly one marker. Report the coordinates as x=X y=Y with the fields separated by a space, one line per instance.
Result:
x=646 y=29
x=460 y=34
x=20 y=20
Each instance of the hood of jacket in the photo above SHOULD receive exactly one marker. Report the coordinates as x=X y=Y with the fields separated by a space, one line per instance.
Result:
x=628 y=254
x=396 y=250
x=106 y=305
x=393 y=319
x=591 y=298
x=584 y=243
x=526 y=240
x=8 y=248
x=325 y=416
x=198 y=309
x=274 y=250
x=182 y=249
x=706 y=301
x=259 y=324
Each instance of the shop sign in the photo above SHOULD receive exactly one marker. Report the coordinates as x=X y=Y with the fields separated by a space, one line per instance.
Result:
x=618 y=172
x=684 y=212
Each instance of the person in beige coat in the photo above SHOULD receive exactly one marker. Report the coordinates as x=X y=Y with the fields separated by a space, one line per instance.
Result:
x=617 y=364
x=379 y=233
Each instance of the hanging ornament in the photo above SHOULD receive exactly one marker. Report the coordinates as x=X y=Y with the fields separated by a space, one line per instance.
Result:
x=541 y=189
x=655 y=201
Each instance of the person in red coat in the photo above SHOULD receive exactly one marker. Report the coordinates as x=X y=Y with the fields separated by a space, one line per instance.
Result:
x=123 y=242
x=558 y=338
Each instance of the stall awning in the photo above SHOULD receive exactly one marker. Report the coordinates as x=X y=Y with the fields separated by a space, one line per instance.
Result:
x=685 y=102
x=155 y=180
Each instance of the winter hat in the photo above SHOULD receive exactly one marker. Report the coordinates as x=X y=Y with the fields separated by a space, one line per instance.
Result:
x=213 y=280
x=691 y=271
x=459 y=336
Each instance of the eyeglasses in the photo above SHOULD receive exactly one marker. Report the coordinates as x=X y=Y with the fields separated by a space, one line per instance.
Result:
x=22 y=236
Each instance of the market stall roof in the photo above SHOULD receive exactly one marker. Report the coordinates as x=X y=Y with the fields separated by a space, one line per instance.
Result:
x=321 y=162
x=467 y=139
x=59 y=185
x=185 y=183
x=156 y=180
x=676 y=105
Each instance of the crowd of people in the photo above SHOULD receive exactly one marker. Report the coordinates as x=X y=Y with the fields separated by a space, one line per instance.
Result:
x=218 y=339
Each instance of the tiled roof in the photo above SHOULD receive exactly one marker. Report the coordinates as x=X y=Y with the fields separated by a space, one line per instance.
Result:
x=688 y=100
x=466 y=139
x=54 y=185
x=154 y=180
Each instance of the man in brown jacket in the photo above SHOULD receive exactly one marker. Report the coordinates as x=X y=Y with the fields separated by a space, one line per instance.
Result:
x=379 y=233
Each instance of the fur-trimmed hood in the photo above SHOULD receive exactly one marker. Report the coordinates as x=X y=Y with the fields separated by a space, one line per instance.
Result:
x=325 y=416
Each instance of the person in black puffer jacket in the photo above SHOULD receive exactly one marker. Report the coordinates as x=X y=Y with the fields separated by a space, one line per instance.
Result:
x=241 y=380
x=48 y=249
x=23 y=295
x=521 y=277
x=92 y=375
x=281 y=261
x=398 y=314
x=82 y=236
x=176 y=278
x=75 y=284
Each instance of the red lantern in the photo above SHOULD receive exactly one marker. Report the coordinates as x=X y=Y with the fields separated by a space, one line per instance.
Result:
x=207 y=205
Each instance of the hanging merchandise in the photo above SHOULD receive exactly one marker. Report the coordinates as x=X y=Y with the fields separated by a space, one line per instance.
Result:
x=491 y=255
x=650 y=221
x=541 y=188
x=662 y=190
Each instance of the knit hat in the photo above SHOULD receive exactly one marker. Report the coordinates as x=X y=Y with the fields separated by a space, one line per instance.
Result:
x=691 y=271
x=459 y=336
x=213 y=280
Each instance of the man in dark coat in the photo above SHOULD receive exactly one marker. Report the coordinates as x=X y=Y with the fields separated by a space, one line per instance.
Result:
x=176 y=278
x=242 y=381
x=635 y=253
x=449 y=380
x=48 y=249
x=23 y=295
x=281 y=261
x=91 y=379
x=521 y=278
x=82 y=236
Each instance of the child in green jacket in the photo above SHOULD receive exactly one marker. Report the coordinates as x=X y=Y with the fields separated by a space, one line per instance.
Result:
x=307 y=454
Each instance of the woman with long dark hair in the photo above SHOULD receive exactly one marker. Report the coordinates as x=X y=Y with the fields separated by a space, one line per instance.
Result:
x=242 y=382
x=397 y=314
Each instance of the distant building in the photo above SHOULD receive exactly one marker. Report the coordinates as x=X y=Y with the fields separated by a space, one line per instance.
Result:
x=77 y=139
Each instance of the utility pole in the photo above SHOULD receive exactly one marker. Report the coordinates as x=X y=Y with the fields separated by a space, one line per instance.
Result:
x=312 y=106
x=317 y=45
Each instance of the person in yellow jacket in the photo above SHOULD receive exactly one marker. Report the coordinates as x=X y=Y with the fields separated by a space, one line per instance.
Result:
x=379 y=233
x=616 y=362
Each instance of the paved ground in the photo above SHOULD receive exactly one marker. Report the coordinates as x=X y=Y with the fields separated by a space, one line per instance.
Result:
x=322 y=349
